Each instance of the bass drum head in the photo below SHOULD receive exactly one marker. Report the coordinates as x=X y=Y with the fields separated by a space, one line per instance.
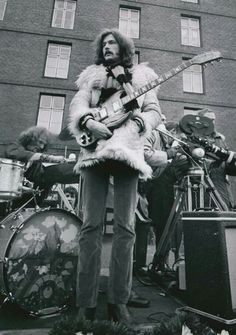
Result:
x=40 y=271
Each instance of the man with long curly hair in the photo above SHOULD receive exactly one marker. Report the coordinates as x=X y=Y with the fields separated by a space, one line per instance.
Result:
x=31 y=148
x=118 y=151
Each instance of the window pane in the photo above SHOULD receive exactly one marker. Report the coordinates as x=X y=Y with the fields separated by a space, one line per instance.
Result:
x=59 y=3
x=123 y=27
x=51 y=116
x=64 y=14
x=53 y=49
x=55 y=128
x=45 y=101
x=124 y=13
x=194 y=23
x=192 y=79
x=184 y=36
x=197 y=83
x=129 y=22
x=135 y=15
x=58 y=102
x=69 y=20
x=190 y=31
x=57 y=63
x=57 y=115
x=195 y=38
x=65 y=51
x=3 y=4
x=134 y=31
x=187 y=87
x=71 y=5
x=57 y=18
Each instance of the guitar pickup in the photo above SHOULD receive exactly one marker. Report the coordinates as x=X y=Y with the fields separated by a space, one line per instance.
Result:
x=117 y=106
x=103 y=113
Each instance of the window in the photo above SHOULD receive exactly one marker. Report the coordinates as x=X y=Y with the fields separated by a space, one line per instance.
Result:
x=3 y=5
x=190 y=31
x=129 y=22
x=192 y=79
x=195 y=1
x=192 y=111
x=57 y=63
x=136 y=58
x=50 y=115
x=64 y=14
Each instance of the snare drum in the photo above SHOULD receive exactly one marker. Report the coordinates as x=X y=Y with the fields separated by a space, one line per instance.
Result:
x=38 y=259
x=11 y=179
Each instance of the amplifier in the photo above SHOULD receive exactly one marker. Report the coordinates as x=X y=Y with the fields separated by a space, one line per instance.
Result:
x=210 y=260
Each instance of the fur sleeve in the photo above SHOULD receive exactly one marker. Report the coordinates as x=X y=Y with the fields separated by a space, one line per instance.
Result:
x=151 y=110
x=91 y=78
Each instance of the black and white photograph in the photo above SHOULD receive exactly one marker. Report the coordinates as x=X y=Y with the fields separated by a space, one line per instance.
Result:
x=118 y=167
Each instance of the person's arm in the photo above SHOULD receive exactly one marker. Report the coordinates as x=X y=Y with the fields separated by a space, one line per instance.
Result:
x=153 y=154
x=149 y=104
x=81 y=115
x=17 y=152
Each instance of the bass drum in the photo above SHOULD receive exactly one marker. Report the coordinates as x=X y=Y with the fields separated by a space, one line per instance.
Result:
x=38 y=259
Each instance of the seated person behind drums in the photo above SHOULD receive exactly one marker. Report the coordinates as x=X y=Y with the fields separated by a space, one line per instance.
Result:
x=30 y=149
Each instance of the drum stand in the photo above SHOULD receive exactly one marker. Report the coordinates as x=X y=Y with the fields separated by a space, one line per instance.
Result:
x=191 y=195
x=18 y=210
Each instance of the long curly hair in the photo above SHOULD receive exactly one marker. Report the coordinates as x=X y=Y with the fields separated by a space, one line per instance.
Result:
x=125 y=43
x=32 y=134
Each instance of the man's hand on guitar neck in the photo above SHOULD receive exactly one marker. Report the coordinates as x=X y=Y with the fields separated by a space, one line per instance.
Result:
x=98 y=129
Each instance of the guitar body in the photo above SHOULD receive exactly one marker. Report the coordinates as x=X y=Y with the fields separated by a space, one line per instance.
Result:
x=111 y=113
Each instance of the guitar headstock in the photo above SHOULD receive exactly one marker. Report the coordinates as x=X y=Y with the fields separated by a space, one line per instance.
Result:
x=207 y=57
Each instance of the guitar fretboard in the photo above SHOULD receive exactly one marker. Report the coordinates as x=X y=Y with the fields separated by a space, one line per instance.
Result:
x=161 y=79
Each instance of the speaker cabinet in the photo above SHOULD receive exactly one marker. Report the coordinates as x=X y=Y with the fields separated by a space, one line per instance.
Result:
x=210 y=260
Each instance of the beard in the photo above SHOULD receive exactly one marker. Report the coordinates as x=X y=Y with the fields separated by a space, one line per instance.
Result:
x=112 y=62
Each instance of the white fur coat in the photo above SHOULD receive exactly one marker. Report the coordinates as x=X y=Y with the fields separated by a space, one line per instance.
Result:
x=126 y=144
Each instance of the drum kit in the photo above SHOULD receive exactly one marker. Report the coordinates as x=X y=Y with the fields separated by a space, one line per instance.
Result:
x=38 y=249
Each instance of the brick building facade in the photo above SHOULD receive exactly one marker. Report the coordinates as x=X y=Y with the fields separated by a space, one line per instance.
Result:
x=26 y=32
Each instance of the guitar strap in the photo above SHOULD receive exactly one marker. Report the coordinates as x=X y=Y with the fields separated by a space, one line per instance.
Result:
x=124 y=78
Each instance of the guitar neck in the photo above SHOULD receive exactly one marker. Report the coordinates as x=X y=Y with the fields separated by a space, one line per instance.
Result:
x=161 y=79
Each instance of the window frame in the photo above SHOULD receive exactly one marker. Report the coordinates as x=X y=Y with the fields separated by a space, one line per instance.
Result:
x=190 y=31
x=64 y=12
x=52 y=110
x=130 y=9
x=59 y=58
x=188 y=70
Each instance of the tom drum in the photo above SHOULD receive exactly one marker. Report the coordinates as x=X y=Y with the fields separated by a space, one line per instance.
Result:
x=11 y=179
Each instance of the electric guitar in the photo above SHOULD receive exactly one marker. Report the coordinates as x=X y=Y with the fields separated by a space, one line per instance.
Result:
x=112 y=113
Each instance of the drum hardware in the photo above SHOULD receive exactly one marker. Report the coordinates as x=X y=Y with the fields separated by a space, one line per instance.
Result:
x=15 y=228
x=19 y=216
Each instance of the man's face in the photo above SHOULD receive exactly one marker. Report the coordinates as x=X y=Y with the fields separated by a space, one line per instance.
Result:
x=38 y=145
x=71 y=198
x=110 y=49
